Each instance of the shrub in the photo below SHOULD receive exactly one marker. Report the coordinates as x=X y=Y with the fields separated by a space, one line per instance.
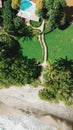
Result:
x=18 y=23
x=59 y=82
x=14 y=68
x=18 y=71
x=35 y=24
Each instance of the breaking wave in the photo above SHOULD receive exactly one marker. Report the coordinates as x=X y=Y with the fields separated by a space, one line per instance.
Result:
x=22 y=123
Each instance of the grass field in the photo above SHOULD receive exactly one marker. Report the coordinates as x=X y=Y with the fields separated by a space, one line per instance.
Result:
x=31 y=49
x=35 y=24
x=59 y=43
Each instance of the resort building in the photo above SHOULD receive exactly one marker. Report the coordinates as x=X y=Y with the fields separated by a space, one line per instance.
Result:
x=0 y=3
x=27 y=10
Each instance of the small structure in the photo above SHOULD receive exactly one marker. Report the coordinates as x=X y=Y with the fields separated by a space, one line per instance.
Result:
x=27 y=10
x=0 y=3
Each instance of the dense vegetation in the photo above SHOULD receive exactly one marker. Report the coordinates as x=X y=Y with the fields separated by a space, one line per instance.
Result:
x=15 y=4
x=15 y=69
x=58 y=84
x=53 y=13
x=12 y=26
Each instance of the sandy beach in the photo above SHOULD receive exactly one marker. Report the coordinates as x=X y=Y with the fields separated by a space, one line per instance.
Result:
x=25 y=101
x=13 y=113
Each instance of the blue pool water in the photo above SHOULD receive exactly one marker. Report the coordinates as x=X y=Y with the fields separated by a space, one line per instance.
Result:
x=25 y=4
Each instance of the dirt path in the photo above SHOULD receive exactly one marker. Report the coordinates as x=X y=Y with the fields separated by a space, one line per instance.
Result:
x=44 y=49
x=42 y=42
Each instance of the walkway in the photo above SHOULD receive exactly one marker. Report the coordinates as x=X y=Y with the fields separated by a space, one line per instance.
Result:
x=42 y=42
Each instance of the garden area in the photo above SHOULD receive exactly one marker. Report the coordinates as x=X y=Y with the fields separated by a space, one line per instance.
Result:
x=58 y=85
x=59 y=44
x=31 y=48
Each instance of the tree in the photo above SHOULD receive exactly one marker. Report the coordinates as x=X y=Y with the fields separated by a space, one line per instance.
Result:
x=7 y=28
x=58 y=81
x=18 y=23
x=15 y=4
x=14 y=68
x=6 y=36
x=9 y=49
x=41 y=9
x=12 y=26
x=52 y=11
x=7 y=16
x=1 y=19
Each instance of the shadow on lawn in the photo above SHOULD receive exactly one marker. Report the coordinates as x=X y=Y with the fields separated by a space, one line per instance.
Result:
x=65 y=64
x=69 y=12
x=69 y=17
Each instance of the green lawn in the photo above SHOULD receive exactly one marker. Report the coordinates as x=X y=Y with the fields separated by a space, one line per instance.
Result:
x=31 y=49
x=60 y=43
x=35 y=24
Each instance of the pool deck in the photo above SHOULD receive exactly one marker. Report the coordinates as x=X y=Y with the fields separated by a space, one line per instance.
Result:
x=29 y=13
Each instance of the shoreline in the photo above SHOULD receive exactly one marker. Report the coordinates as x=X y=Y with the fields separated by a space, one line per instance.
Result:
x=25 y=101
x=8 y=112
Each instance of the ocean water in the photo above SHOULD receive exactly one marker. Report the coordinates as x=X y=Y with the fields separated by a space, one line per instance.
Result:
x=22 y=123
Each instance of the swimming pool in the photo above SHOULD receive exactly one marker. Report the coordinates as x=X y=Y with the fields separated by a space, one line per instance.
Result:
x=25 y=4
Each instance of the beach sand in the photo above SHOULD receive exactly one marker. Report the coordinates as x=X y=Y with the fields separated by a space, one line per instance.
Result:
x=24 y=100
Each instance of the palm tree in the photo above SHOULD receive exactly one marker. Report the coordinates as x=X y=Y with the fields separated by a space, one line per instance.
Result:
x=5 y=36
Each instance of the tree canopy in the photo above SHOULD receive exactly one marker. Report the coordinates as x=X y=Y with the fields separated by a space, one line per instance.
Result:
x=15 y=4
x=7 y=16
x=15 y=69
x=58 y=82
x=52 y=11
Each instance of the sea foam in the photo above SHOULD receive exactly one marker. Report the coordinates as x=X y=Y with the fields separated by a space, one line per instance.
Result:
x=22 y=123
